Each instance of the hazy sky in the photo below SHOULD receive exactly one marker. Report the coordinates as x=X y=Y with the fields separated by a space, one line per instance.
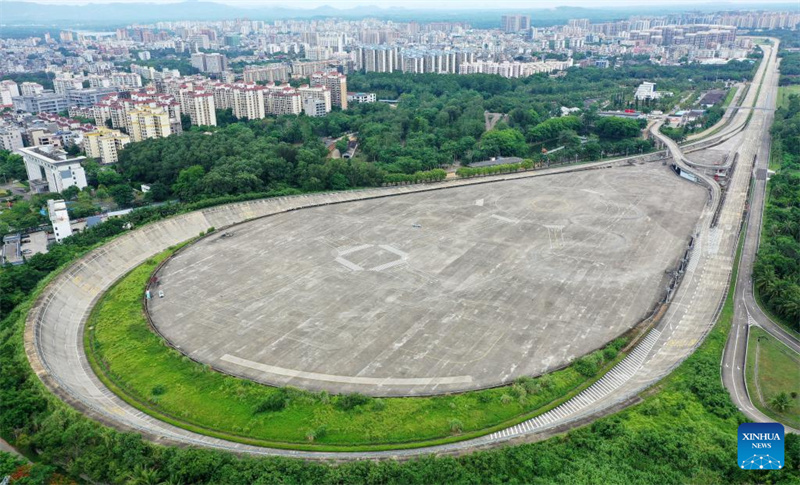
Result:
x=439 y=4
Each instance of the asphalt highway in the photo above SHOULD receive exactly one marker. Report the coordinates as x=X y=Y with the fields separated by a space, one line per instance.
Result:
x=746 y=311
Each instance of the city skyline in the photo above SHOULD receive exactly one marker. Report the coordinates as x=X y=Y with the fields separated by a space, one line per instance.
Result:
x=457 y=5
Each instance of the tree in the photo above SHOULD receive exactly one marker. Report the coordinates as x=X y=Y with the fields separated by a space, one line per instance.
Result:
x=12 y=167
x=73 y=149
x=781 y=402
x=186 y=122
x=158 y=193
x=188 y=184
x=616 y=128
x=70 y=193
x=122 y=194
x=508 y=142
x=342 y=145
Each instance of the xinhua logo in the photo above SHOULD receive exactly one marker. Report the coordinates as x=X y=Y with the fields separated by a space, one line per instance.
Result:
x=761 y=446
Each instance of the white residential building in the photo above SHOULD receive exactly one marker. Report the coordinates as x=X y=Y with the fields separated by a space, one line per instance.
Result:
x=282 y=100
x=10 y=138
x=198 y=104
x=336 y=83
x=67 y=82
x=31 y=89
x=361 y=97
x=314 y=107
x=248 y=101
x=59 y=217
x=317 y=92
x=8 y=90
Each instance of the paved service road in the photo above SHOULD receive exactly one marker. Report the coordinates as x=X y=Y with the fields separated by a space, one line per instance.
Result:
x=54 y=326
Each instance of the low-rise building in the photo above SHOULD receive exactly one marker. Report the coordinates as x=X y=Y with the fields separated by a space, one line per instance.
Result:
x=361 y=97
x=52 y=165
x=59 y=218
x=41 y=102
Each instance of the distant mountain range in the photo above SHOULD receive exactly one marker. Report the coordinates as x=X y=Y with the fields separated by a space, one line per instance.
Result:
x=14 y=13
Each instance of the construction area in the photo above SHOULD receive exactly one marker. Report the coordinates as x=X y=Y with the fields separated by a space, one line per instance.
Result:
x=440 y=291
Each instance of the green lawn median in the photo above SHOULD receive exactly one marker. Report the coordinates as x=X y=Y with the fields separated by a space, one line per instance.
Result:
x=773 y=377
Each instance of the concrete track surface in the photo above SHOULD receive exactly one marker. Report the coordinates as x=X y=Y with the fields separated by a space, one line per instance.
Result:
x=495 y=283
x=54 y=326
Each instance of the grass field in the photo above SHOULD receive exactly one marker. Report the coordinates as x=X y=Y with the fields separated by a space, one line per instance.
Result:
x=137 y=364
x=773 y=368
x=729 y=97
x=785 y=91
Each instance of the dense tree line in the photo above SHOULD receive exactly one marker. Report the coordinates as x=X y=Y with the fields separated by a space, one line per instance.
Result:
x=11 y=167
x=776 y=273
x=790 y=68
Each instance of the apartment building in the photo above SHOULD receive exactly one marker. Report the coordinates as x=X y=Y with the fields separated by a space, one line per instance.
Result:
x=282 y=100
x=8 y=90
x=31 y=89
x=200 y=106
x=148 y=122
x=336 y=83
x=316 y=92
x=214 y=63
x=515 y=23
x=314 y=107
x=247 y=101
x=270 y=73
x=104 y=144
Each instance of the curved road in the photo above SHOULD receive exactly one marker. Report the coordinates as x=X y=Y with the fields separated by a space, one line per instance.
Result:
x=746 y=310
x=54 y=328
x=753 y=148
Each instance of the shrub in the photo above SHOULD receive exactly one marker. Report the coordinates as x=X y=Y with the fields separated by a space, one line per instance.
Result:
x=531 y=385
x=456 y=426
x=347 y=402
x=274 y=402
x=586 y=367
x=158 y=390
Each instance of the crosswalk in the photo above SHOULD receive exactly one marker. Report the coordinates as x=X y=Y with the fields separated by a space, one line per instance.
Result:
x=603 y=387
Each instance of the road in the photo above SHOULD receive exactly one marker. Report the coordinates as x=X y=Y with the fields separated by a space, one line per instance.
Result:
x=54 y=327
x=746 y=310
